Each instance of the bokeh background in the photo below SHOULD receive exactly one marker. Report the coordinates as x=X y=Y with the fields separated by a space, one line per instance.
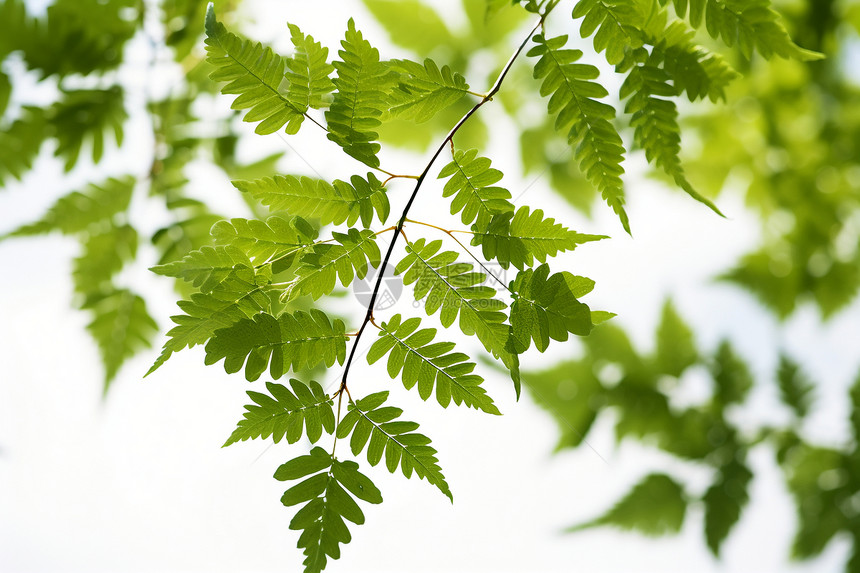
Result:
x=134 y=478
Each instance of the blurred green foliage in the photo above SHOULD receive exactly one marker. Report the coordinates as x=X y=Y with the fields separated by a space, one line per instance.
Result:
x=78 y=43
x=636 y=390
x=789 y=138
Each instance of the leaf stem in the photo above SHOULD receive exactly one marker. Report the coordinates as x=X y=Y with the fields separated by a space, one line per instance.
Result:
x=321 y=126
x=465 y=248
x=339 y=400
x=394 y=176
x=385 y=230
x=420 y=179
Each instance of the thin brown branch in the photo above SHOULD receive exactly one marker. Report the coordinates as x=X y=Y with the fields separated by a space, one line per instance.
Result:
x=465 y=248
x=420 y=180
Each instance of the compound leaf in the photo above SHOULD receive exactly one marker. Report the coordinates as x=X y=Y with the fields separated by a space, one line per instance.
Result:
x=285 y=413
x=120 y=326
x=276 y=240
x=103 y=254
x=547 y=307
x=325 y=263
x=308 y=72
x=588 y=122
x=617 y=23
x=232 y=301
x=454 y=289
x=795 y=389
x=425 y=90
x=336 y=203
x=376 y=427
x=693 y=69
x=254 y=73
x=290 y=341
x=724 y=501
x=78 y=210
x=471 y=180
x=655 y=506
x=413 y=354
x=655 y=122
x=321 y=519
x=209 y=267
x=362 y=84
x=520 y=238
x=753 y=24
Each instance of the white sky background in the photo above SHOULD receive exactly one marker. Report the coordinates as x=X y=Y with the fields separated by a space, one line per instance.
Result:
x=138 y=482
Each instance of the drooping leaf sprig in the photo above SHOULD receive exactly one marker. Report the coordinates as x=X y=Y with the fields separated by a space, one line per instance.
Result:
x=248 y=286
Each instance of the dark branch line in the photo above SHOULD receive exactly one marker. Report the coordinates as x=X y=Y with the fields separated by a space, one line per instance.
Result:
x=399 y=229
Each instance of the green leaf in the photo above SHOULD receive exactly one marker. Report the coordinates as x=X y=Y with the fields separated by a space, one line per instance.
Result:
x=795 y=389
x=655 y=506
x=521 y=238
x=290 y=341
x=403 y=18
x=425 y=90
x=121 y=326
x=80 y=36
x=189 y=230
x=724 y=501
x=284 y=413
x=5 y=92
x=546 y=307
x=299 y=467
x=362 y=84
x=85 y=115
x=21 y=141
x=207 y=268
x=102 y=256
x=18 y=26
x=77 y=211
x=471 y=179
x=676 y=349
x=413 y=354
x=346 y=473
x=328 y=498
x=819 y=515
x=494 y=7
x=618 y=25
x=325 y=263
x=231 y=302
x=276 y=240
x=459 y=291
x=601 y=316
x=693 y=69
x=375 y=427
x=572 y=394
x=447 y=284
x=732 y=378
x=254 y=73
x=752 y=24
x=336 y=203
x=308 y=72
x=587 y=121
x=655 y=123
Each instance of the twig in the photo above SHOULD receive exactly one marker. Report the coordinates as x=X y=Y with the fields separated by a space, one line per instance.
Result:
x=448 y=140
x=465 y=248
